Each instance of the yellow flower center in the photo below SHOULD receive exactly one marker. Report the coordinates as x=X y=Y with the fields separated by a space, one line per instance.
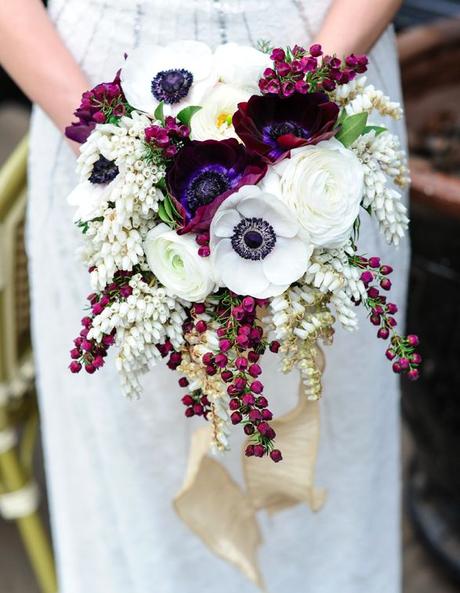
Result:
x=224 y=119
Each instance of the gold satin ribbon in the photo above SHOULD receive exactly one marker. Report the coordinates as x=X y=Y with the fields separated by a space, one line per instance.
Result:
x=219 y=511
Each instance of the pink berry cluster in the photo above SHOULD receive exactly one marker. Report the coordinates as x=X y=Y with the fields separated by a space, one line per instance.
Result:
x=381 y=314
x=241 y=344
x=298 y=70
x=105 y=103
x=87 y=353
x=168 y=138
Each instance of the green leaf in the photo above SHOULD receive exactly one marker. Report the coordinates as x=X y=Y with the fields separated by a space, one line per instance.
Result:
x=342 y=116
x=186 y=114
x=163 y=214
x=159 y=112
x=161 y=184
x=168 y=207
x=352 y=128
x=377 y=129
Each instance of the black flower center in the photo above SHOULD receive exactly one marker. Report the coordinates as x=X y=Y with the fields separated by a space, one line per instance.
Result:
x=274 y=130
x=171 y=86
x=104 y=171
x=205 y=187
x=253 y=238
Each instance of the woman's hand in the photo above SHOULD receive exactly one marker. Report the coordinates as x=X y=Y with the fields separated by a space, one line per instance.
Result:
x=34 y=55
x=353 y=26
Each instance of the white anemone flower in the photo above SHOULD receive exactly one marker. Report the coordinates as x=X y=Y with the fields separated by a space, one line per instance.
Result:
x=257 y=247
x=91 y=195
x=241 y=66
x=214 y=120
x=175 y=262
x=179 y=74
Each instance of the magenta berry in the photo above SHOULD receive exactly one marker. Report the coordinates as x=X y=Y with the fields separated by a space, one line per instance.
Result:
x=256 y=387
x=249 y=429
x=207 y=358
x=249 y=451
x=75 y=367
x=199 y=308
x=385 y=283
x=275 y=455
x=413 y=340
x=236 y=418
x=413 y=374
x=226 y=376
x=259 y=450
x=374 y=262
x=416 y=358
x=224 y=345
x=201 y=326
x=385 y=270
x=221 y=360
x=383 y=333
x=274 y=346
x=254 y=370
x=248 y=399
x=241 y=363
x=367 y=277
x=187 y=400
x=390 y=354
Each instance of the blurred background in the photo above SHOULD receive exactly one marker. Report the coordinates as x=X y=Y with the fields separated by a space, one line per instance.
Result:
x=429 y=47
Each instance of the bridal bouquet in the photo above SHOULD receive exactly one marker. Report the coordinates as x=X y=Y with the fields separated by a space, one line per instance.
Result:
x=220 y=199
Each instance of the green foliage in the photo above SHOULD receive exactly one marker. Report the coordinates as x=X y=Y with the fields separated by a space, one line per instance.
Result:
x=159 y=113
x=167 y=212
x=377 y=129
x=264 y=46
x=352 y=126
x=186 y=114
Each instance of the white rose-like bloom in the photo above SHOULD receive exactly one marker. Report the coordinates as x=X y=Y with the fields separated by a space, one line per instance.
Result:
x=323 y=185
x=214 y=120
x=256 y=248
x=241 y=66
x=175 y=262
x=180 y=74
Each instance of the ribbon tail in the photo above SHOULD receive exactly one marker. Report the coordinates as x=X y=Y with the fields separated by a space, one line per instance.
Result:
x=274 y=487
x=216 y=509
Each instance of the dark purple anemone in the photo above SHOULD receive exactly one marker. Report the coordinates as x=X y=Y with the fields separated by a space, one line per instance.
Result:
x=271 y=126
x=205 y=173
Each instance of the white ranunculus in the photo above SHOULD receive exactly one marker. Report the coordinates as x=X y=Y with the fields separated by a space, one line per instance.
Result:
x=144 y=63
x=241 y=66
x=214 y=120
x=256 y=247
x=90 y=199
x=323 y=185
x=175 y=262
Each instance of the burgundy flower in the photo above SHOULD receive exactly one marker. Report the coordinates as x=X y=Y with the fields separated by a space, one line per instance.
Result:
x=105 y=98
x=271 y=126
x=205 y=173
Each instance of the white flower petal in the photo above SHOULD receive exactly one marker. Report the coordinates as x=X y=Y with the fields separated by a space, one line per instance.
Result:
x=241 y=66
x=243 y=276
x=225 y=222
x=288 y=261
x=145 y=62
